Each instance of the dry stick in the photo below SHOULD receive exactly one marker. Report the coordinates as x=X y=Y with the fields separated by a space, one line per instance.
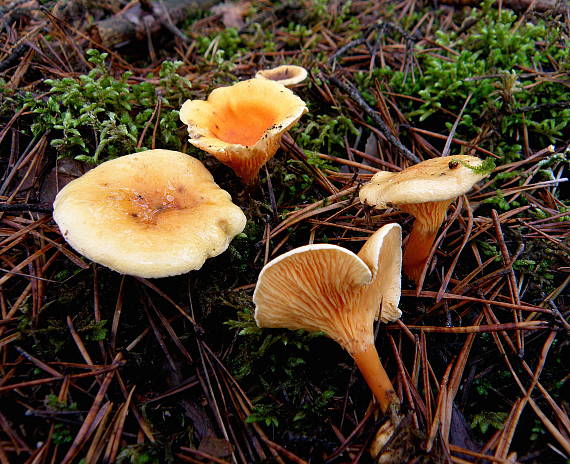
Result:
x=447 y=146
x=417 y=398
x=525 y=307
x=138 y=416
x=40 y=364
x=32 y=207
x=167 y=298
x=454 y=382
x=357 y=97
x=243 y=437
x=113 y=445
x=101 y=436
x=562 y=440
x=526 y=325
x=170 y=330
x=443 y=137
x=515 y=298
x=117 y=314
x=405 y=381
x=356 y=430
x=243 y=399
x=18 y=443
x=425 y=377
x=561 y=415
x=82 y=434
x=208 y=389
x=485 y=457
x=509 y=430
x=202 y=454
x=440 y=410
x=78 y=342
x=157 y=334
x=297 y=152
x=466 y=236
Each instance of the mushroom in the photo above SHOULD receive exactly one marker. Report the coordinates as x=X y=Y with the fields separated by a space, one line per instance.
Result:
x=287 y=74
x=330 y=289
x=242 y=125
x=155 y=213
x=425 y=191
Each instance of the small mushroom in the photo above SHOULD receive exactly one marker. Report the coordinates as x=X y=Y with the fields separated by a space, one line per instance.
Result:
x=155 y=213
x=287 y=74
x=330 y=289
x=425 y=191
x=242 y=125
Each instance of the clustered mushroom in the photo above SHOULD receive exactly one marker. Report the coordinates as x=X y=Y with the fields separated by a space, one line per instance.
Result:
x=159 y=213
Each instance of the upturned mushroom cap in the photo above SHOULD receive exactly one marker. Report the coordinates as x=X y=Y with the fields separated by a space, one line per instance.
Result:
x=287 y=74
x=436 y=179
x=155 y=213
x=242 y=125
x=330 y=289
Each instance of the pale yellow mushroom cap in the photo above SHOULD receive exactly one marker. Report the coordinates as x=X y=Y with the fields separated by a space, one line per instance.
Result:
x=155 y=213
x=330 y=289
x=436 y=179
x=242 y=125
x=287 y=74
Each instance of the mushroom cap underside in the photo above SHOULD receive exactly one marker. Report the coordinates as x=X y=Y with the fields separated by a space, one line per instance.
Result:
x=151 y=214
x=286 y=74
x=330 y=289
x=243 y=114
x=436 y=179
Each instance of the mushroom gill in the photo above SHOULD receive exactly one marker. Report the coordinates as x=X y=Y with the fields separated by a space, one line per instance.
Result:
x=330 y=289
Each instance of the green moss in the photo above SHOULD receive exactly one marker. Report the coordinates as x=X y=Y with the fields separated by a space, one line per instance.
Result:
x=101 y=117
x=490 y=63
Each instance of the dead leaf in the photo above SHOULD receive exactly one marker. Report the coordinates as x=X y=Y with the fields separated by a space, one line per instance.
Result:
x=232 y=13
x=217 y=447
x=66 y=170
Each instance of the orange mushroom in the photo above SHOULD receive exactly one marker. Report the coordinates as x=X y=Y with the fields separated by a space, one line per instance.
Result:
x=329 y=289
x=156 y=213
x=425 y=191
x=287 y=74
x=242 y=125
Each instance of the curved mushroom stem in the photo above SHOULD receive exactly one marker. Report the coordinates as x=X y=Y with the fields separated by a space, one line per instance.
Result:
x=429 y=217
x=377 y=379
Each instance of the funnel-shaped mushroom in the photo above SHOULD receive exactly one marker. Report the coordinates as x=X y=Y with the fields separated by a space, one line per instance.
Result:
x=329 y=289
x=425 y=191
x=155 y=213
x=286 y=74
x=242 y=125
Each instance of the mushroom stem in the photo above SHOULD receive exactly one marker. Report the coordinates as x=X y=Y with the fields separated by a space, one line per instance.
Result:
x=429 y=217
x=376 y=377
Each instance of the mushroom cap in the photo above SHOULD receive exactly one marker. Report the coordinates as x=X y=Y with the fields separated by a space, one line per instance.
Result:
x=155 y=213
x=436 y=179
x=330 y=289
x=287 y=74
x=241 y=125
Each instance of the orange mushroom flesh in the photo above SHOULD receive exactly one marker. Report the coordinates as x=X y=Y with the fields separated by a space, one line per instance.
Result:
x=329 y=289
x=425 y=191
x=429 y=217
x=242 y=125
